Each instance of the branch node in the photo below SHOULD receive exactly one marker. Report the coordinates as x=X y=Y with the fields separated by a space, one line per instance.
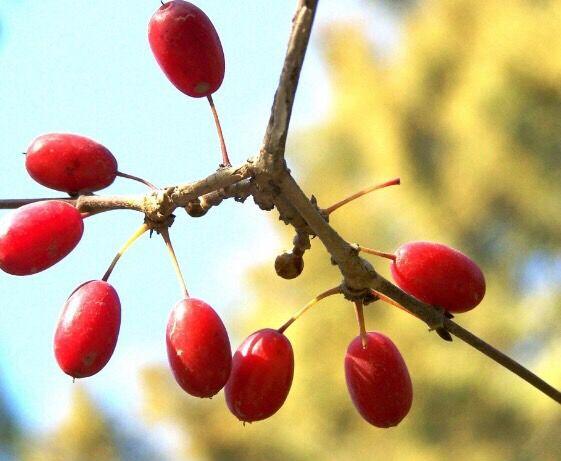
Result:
x=354 y=295
x=195 y=209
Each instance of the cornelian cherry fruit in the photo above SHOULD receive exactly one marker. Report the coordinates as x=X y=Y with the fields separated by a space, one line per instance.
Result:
x=198 y=348
x=378 y=380
x=38 y=235
x=70 y=163
x=88 y=328
x=438 y=275
x=262 y=371
x=187 y=48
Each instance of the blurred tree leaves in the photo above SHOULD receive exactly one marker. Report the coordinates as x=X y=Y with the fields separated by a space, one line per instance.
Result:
x=10 y=432
x=86 y=434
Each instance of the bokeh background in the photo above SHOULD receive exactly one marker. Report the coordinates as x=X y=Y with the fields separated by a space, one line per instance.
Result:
x=460 y=98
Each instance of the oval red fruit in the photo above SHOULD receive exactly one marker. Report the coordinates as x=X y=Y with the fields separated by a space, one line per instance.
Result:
x=262 y=371
x=87 y=331
x=187 y=48
x=38 y=235
x=70 y=163
x=438 y=275
x=198 y=348
x=378 y=380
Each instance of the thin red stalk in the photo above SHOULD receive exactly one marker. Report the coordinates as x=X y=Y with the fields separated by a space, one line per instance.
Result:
x=225 y=159
x=314 y=301
x=361 y=325
x=350 y=198
x=384 y=298
x=124 y=248
x=136 y=178
x=175 y=263
x=378 y=253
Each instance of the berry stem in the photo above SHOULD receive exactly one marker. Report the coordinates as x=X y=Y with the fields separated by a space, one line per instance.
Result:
x=350 y=198
x=91 y=213
x=360 y=319
x=176 y=268
x=124 y=248
x=388 y=300
x=225 y=159
x=136 y=178
x=377 y=253
x=300 y=312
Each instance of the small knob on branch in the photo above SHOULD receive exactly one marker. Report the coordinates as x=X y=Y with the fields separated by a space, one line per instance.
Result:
x=289 y=266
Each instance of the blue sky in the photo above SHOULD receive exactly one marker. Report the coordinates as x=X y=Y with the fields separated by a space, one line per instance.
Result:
x=85 y=67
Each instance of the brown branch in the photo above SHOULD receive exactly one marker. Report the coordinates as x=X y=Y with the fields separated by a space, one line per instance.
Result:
x=357 y=272
x=435 y=319
x=8 y=204
x=182 y=194
x=97 y=203
x=239 y=191
x=502 y=359
x=158 y=204
x=272 y=149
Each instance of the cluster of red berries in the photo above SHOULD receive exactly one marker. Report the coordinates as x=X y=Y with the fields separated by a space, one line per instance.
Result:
x=258 y=377
x=377 y=377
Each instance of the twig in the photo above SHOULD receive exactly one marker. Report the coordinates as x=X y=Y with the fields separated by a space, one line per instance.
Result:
x=358 y=273
x=435 y=319
x=8 y=204
x=275 y=137
x=502 y=359
x=182 y=194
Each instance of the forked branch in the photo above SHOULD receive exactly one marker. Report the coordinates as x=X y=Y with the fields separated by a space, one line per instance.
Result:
x=267 y=178
x=358 y=274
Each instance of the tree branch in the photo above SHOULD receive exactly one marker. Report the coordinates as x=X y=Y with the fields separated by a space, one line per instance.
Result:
x=183 y=194
x=357 y=272
x=435 y=318
x=502 y=359
x=8 y=204
x=272 y=149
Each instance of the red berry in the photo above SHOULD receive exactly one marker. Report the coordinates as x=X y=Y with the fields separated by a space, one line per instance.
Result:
x=38 y=235
x=262 y=371
x=187 y=48
x=378 y=380
x=88 y=328
x=438 y=275
x=198 y=348
x=70 y=163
